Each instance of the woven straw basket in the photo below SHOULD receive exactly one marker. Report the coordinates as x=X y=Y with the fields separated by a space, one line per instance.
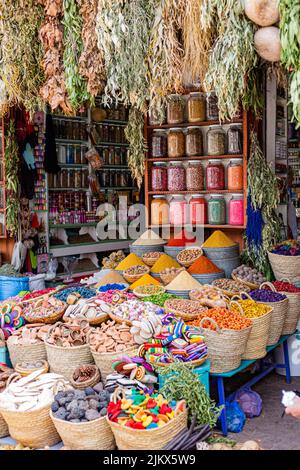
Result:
x=94 y=435
x=185 y=316
x=32 y=428
x=3 y=428
x=225 y=347
x=285 y=267
x=279 y=313
x=131 y=278
x=151 y=261
x=148 y=439
x=293 y=311
x=256 y=347
x=26 y=352
x=187 y=264
x=104 y=360
x=94 y=380
x=64 y=361
x=252 y=285
x=119 y=320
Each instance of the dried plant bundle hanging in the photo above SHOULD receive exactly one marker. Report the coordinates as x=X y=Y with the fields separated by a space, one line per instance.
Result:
x=76 y=85
x=233 y=56
x=21 y=52
x=11 y=177
x=134 y=134
x=165 y=57
x=123 y=30
x=91 y=61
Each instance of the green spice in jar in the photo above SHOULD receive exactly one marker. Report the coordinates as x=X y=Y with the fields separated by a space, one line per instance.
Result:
x=217 y=210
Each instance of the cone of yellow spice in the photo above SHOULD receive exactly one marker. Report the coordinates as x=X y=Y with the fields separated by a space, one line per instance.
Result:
x=163 y=263
x=129 y=261
x=218 y=239
x=144 y=281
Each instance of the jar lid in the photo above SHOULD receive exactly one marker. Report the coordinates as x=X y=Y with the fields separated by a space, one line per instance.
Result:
x=160 y=164
x=217 y=196
x=178 y=196
x=176 y=164
x=216 y=126
x=158 y=196
x=194 y=162
x=194 y=127
x=160 y=130
x=237 y=196
x=177 y=129
x=212 y=160
x=198 y=195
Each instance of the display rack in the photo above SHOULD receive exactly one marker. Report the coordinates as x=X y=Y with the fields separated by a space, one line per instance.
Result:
x=235 y=231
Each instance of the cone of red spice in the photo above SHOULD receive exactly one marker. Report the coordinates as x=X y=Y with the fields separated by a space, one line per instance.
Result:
x=181 y=239
x=203 y=265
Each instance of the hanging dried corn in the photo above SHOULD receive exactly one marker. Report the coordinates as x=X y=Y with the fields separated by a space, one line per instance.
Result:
x=165 y=57
x=21 y=52
x=233 y=56
x=91 y=61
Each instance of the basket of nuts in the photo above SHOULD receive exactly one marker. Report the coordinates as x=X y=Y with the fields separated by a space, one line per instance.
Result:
x=148 y=289
x=188 y=256
x=151 y=258
x=168 y=274
x=134 y=273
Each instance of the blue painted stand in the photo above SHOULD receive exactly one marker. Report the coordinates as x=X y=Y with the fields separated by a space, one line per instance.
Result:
x=265 y=369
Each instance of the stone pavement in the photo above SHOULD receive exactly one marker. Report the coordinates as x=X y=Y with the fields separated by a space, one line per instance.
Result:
x=270 y=430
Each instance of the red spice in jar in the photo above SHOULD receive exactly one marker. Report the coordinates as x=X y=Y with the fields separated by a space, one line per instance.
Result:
x=215 y=175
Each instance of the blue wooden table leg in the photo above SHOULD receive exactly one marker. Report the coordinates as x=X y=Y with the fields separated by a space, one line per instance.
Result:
x=287 y=362
x=221 y=394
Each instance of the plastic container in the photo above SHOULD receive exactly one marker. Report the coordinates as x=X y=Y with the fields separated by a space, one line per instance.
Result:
x=217 y=210
x=159 y=177
x=160 y=211
x=236 y=210
x=178 y=211
x=202 y=373
x=235 y=175
x=215 y=175
x=294 y=355
x=198 y=210
x=11 y=286
x=196 y=107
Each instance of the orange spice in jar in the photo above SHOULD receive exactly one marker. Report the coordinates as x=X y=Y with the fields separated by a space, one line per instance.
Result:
x=235 y=175
x=160 y=211
x=176 y=143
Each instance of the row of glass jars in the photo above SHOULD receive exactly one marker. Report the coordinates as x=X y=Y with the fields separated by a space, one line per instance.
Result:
x=177 y=142
x=198 y=210
x=177 y=177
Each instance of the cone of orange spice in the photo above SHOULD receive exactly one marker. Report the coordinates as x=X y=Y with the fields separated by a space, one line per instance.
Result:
x=226 y=320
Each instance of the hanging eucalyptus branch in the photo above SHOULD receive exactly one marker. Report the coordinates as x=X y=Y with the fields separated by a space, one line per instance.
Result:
x=11 y=157
x=134 y=134
x=21 y=52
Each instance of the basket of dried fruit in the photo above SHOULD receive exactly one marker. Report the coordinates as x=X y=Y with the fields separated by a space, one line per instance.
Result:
x=168 y=274
x=84 y=376
x=151 y=257
x=229 y=287
x=186 y=309
x=134 y=273
x=188 y=256
x=148 y=289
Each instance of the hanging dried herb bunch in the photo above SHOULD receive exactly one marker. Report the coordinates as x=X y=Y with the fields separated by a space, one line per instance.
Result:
x=76 y=85
x=166 y=52
x=123 y=30
x=91 y=61
x=197 y=42
x=232 y=57
x=21 y=52
x=290 y=47
x=11 y=157
x=134 y=134
x=51 y=35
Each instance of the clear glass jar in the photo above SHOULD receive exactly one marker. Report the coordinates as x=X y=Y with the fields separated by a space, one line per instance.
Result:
x=212 y=109
x=175 y=109
x=160 y=211
x=178 y=211
x=217 y=210
x=176 y=177
x=235 y=140
x=215 y=175
x=194 y=176
x=157 y=120
x=235 y=175
x=198 y=210
x=236 y=210
x=176 y=143
x=159 y=177
x=194 y=142
x=159 y=143
x=216 y=141
x=196 y=107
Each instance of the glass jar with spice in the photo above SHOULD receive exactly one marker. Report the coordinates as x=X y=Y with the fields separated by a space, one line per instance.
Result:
x=217 y=210
x=157 y=120
x=212 y=109
x=159 y=144
x=196 y=107
x=235 y=175
x=235 y=140
x=194 y=142
x=198 y=210
x=176 y=143
x=176 y=177
x=77 y=178
x=215 y=175
x=159 y=176
x=216 y=141
x=178 y=211
x=71 y=179
x=160 y=211
x=194 y=176
x=236 y=210
x=175 y=110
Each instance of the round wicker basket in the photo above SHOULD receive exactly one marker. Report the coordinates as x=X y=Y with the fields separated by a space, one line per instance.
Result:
x=131 y=278
x=187 y=264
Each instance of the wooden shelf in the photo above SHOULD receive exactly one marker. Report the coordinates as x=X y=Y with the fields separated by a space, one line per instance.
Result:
x=227 y=226
x=197 y=124
x=187 y=159
x=216 y=191
x=66 y=226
